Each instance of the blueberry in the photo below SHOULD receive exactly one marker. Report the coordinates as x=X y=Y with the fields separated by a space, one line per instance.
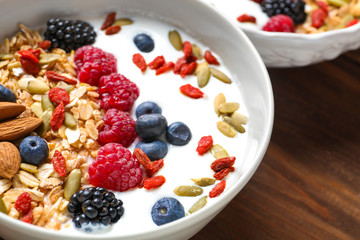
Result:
x=6 y=95
x=33 y=150
x=178 y=134
x=146 y=108
x=144 y=42
x=154 y=150
x=166 y=210
x=150 y=126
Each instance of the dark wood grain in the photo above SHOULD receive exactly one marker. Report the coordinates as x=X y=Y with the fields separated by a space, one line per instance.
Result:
x=308 y=184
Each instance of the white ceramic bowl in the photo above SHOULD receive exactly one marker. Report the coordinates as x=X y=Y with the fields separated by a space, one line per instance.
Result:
x=209 y=27
x=288 y=49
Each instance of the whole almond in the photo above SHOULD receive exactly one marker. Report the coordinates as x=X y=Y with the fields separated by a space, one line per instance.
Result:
x=9 y=110
x=14 y=129
x=9 y=160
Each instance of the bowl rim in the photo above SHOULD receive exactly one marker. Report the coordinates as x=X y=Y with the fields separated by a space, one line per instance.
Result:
x=227 y=195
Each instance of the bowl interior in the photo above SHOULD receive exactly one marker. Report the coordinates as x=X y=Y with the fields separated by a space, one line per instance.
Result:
x=208 y=27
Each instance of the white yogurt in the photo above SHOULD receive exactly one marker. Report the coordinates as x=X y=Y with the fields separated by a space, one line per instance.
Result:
x=182 y=162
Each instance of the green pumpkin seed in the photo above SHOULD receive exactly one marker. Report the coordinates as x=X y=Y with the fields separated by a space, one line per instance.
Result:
x=4 y=63
x=72 y=183
x=203 y=76
x=189 y=191
x=37 y=87
x=29 y=168
x=203 y=182
x=198 y=205
x=337 y=3
x=3 y=208
x=37 y=109
x=344 y=21
x=220 y=75
x=228 y=107
x=175 y=40
x=219 y=99
x=48 y=58
x=123 y=22
x=196 y=51
x=200 y=66
x=45 y=126
x=218 y=151
x=46 y=103
x=235 y=124
x=226 y=129
x=242 y=119
x=6 y=56
x=66 y=87
x=69 y=120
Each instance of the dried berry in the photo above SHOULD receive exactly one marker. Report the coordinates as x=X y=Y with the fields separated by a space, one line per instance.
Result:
x=187 y=49
x=191 y=91
x=112 y=30
x=53 y=76
x=246 y=18
x=204 y=145
x=218 y=189
x=223 y=173
x=139 y=61
x=58 y=117
x=109 y=20
x=59 y=95
x=59 y=164
x=154 y=182
x=158 y=62
x=211 y=59
x=222 y=163
x=168 y=66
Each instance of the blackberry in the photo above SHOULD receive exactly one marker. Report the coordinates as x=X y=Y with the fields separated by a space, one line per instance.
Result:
x=292 y=8
x=95 y=206
x=69 y=34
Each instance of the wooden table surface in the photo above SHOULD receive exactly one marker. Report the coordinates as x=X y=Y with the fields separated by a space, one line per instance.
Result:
x=308 y=184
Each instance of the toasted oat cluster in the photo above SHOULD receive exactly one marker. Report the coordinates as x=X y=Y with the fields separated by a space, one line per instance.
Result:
x=42 y=182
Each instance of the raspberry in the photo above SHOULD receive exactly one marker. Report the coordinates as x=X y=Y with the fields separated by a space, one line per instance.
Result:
x=279 y=23
x=119 y=127
x=92 y=63
x=115 y=168
x=23 y=203
x=116 y=91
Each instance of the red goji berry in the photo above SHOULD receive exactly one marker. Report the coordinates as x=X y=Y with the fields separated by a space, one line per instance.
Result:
x=23 y=203
x=157 y=62
x=155 y=167
x=59 y=164
x=139 y=61
x=223 y=173
x=178 y=65
x=28 y=217
x=112 y=30
x=29 y=66
x=188 y=69
x=142 y=158
x=36 y=52
x=59 y=95
x=168 y=66
x=53 y=76
x=246 y=18
x=352 y=22
x=218 y=189
x=187 y=49
x=204 y=145
x=323 y=6
x=222 y=163
x=141 y=184
x=154 y=182
x=109 y=20
x=58 y=116
x=44 y=44
x=211 y=59
x=318 y=17
x=28 y=54
x=191 y=91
